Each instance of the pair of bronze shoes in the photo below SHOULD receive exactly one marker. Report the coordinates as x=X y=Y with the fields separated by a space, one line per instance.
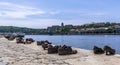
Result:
x=107 y=50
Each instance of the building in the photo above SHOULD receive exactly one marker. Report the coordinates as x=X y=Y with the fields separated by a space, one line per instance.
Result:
x=62 y=24
x=53 y=28
x=68 y=26
x=117 y=28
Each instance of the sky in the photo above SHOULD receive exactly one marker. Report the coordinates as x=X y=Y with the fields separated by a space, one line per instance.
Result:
x=44 y=13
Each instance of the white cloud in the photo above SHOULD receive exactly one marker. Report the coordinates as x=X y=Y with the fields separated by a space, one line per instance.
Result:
x=38 y=23
x=54 y=12
x=16 y=15
x=95 y=13
x=10 y=10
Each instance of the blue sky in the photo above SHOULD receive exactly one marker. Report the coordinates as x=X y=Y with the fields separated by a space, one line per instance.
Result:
x=44 y=13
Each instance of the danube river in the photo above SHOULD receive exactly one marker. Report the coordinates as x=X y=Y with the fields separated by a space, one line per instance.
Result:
x=81 y=41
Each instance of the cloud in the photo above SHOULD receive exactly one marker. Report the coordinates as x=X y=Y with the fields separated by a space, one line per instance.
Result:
x=95 y=13
x=12 y=14
x=54 y=12
x=38 y=23
x=14 y=11
x=10 y=10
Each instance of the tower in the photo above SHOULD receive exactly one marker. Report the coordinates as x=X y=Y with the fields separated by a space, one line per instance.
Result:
x=62 y=24
x=62 y=28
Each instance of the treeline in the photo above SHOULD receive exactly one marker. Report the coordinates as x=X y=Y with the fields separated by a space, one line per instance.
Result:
x=79 y=29
x=12 y=29
x=97 y=25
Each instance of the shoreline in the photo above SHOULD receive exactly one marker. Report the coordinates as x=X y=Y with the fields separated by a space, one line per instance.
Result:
x=31 y=54
x=76 y=34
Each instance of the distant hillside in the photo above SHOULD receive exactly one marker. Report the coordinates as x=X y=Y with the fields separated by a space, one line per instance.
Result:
x=94 y=28
x=7 y=29
x=97 y=25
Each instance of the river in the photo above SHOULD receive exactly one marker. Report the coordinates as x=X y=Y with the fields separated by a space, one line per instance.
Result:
x=81 y=41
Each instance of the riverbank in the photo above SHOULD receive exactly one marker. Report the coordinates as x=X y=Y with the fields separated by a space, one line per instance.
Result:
x=31 y=54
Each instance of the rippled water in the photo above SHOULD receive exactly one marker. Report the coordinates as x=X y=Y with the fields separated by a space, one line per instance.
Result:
x=82 y=41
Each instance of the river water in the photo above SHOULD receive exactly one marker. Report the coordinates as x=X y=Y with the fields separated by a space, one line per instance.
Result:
x=81 y=41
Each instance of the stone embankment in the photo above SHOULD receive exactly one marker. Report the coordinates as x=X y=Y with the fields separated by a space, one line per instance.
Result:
x=31 y=54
